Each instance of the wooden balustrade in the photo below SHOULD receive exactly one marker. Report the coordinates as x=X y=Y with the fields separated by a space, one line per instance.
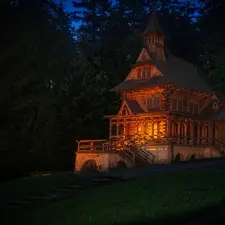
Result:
x=119 y=144
x=91 y=145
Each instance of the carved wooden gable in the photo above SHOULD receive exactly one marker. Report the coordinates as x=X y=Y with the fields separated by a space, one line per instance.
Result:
x=144 y=56
x=144 y=72
x=124 y=110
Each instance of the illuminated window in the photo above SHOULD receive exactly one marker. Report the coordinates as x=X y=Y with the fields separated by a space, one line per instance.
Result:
x=139 y=73
x=155 y=130
x=174 y=104
x=180 y=105
x=195 y=108
x=156 y=101
x=162 y=128
x=214 y=105
x=148 y=129
x=140 y=128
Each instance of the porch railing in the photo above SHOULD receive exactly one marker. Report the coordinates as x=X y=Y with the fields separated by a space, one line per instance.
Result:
x=120 y=143
x=91 y=145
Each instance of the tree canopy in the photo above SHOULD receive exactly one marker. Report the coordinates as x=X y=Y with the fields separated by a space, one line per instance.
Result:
x=55 y=79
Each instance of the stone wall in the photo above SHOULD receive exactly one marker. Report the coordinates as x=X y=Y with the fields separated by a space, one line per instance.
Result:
x=186 y=152
x=104 y=160
x=163 y=154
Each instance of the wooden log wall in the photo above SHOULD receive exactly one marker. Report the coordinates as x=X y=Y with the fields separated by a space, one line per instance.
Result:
x=167 y=94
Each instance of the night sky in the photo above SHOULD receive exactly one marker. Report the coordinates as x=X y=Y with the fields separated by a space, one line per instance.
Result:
x=69 y=7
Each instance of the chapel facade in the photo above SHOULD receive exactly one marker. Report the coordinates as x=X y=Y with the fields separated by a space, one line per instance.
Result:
x=168 y=112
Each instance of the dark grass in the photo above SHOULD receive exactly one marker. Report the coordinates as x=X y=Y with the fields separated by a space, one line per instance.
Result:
x=22 y=188
x=165 y=198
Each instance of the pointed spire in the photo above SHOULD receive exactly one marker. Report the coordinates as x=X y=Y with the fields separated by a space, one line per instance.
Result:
x=153 y=24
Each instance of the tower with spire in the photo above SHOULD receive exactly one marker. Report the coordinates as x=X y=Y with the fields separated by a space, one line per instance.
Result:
x=167 y=113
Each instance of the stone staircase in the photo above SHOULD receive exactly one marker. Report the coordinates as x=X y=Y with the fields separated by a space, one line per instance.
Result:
x=219 y=147
x=138 y=154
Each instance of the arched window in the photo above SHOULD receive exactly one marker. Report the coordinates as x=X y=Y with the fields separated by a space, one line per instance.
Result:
x=150 y=103
x=174 y=104
x=155 y=130
x=162 y=128
x=157 y=101
x=196 y=108
x=149 y=128
x=180 y=105
x=140 y=128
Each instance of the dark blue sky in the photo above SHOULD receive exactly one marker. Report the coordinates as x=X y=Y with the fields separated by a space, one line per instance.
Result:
x=69 y=6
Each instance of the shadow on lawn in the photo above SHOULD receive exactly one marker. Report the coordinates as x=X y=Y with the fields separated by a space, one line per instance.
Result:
x=205 y=216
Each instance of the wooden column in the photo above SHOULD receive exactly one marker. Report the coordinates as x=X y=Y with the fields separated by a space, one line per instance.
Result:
x=211 y=135
x=198 y=133
x=125 y=128
x=136 y=126
x=110 y=129
x=168 y=128
x=178 y=132
x=185 y=133
x=192 y=132
x=117 y=130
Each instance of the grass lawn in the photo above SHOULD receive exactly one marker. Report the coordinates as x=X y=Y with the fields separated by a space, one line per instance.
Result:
x=22 y=188
x=133 y=202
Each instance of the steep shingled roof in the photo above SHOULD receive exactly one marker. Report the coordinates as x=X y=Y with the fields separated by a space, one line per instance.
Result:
x=175 y=71
x=134 y=107
x=153 y=24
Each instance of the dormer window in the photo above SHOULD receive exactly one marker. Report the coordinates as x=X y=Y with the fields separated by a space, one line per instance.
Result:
x=153 y=102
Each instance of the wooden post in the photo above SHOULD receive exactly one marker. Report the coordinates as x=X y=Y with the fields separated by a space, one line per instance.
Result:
x=192 y=132
x=178 y=132
x=110 y=129
x=168 y=128
x=185 y=133
x=198 y=134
